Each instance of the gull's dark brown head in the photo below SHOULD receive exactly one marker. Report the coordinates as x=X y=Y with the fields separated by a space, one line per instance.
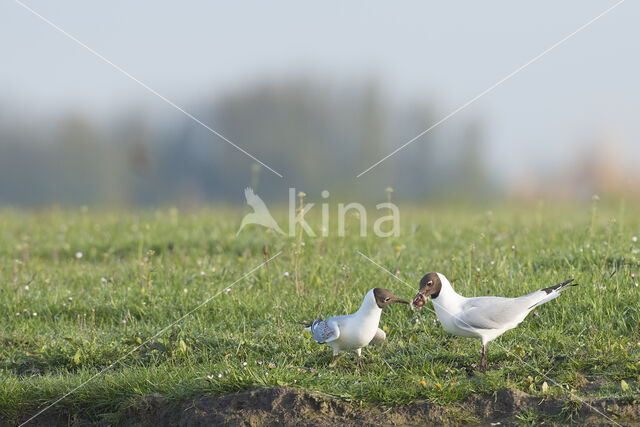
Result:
x=430 y=285
x=384 y=297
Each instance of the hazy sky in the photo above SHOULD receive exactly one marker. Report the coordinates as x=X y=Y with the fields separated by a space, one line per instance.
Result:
x=444 y=51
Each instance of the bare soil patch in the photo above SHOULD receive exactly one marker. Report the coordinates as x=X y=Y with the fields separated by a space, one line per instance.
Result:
x=285 y=406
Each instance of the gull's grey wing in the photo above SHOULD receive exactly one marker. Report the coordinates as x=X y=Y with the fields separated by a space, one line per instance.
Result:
x=493 y=312
x=379 y=338
x=325 y=331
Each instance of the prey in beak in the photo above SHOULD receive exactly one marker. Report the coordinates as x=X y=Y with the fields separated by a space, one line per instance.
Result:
x=418 y=301
x=430 y=285
x=384 y=297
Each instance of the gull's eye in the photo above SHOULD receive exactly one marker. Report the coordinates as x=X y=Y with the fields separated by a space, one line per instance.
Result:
x=387 y=299
x=430 y=283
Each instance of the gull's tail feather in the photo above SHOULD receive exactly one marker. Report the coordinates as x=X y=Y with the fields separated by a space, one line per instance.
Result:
x=553 y=292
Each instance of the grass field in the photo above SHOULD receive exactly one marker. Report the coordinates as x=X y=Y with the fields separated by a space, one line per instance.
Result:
x=82 y=289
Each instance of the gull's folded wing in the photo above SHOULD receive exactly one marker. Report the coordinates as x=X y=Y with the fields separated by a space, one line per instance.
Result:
x=492 y=313
x=379 y=338
x=325 y=331
x=504 y=313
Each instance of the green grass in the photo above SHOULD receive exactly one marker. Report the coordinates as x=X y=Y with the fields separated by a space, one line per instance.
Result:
x=141 y=271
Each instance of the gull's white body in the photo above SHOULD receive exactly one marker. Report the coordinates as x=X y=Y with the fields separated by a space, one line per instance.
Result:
x=351 y=332
x=484 y=317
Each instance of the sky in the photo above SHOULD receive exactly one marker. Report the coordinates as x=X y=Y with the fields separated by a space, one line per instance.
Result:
x=444 y=51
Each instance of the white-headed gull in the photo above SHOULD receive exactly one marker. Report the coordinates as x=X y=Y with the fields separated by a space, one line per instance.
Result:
x=482 y=317
x=357 y=330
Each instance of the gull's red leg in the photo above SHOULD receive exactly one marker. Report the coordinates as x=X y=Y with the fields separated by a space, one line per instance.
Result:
x=482 y=362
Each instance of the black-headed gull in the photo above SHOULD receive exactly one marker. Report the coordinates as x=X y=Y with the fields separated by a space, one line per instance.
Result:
x=482 y=317
x=357 y=330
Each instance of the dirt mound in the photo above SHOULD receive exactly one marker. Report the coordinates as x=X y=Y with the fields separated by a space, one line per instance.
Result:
x=507 y=405
x=284 y=406
x=256 y=407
